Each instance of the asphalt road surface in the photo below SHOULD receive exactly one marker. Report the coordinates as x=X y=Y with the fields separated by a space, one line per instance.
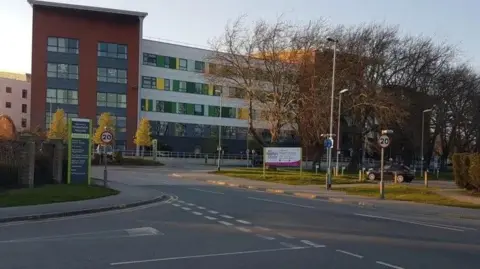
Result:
x=205 y=226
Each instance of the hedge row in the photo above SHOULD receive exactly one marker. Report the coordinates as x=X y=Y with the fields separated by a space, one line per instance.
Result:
x=118 y=159
x=466 y=170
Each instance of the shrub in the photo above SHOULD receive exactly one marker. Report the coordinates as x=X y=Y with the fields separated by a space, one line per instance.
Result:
x=9 y=176
x=466 y=170
x=474 y=173
x=96 y=159
x=118 y=158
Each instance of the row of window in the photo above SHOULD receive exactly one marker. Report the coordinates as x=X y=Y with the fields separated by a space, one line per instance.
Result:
x=48 y=118
x=120 y=123
x=190 y=109
x=173 y=63
x=111 y=100
x=70 y=71
x=112 y=75
x=24 y=92
x=62 y=96
x=71 y=45
x=24 y=107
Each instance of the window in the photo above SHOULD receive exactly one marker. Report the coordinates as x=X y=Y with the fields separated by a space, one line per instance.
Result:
x=112 y=75
x=199 y=88
x=214 y=131
x=112 y=50
x=182 y=108
x=230 y=132
x=198 y=130
x=65 y=45
x=66 y=71
x=24 y=94
x=48 y=118
x=182 y=65
x=149 y=82
x=111 y=100
x=8 y=105
x=167 y=85
x=182 y=86
x=62 y=96
x=8 y=89
x=24 y=108
x=217 y=90
x=159 y=106
x=121 y=123
x=150 y=59
x=199 y=66
x=180 y=129
x=24 y=123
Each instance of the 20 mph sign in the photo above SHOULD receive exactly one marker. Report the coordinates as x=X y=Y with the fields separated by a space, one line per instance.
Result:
x=106 y=137
x=384 y=141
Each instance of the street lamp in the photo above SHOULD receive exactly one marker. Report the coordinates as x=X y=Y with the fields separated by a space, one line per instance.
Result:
x=423 y=130
x=338 y=126
x=332 y=97
x=219 y=148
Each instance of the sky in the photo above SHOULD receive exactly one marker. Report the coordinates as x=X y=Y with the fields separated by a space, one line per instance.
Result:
x=195 y=22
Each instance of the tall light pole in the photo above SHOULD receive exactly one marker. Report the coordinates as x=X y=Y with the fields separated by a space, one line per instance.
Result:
x=219 y=148
x=332 y=97
x=338 y=126
x=421 y=146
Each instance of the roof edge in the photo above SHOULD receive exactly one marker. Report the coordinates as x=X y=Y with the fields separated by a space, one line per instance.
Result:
x=34 y=3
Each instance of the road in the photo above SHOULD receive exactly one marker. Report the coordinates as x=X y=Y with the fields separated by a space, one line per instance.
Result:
x=205 y=226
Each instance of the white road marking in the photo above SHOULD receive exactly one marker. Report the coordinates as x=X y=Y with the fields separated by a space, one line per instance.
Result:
x=175 y=204
x=285 y=235
x=215 y=192
x=226 y=216
x=225 y=223
x=411 y=222
x=201 y=207
x=243 y=221
x=213 y=212
x=306 y=242
x=389 y=265
x=210 y=218
x=262 y=228
x=190 y=204
x=350 y=253
x=197 y=213
x=207 y=255
x=186 y=208
x=265 y=237
x=280 y=202
x=176 y=175
x=142 y=231
x=243 y=229
x=288 y=245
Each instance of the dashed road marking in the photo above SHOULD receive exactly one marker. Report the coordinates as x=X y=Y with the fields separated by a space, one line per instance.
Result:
x=226 y=216
x=389 y=265
x=210 y=218
x=215 y=192
x=201 y=207
x=175 y=204
x=262 y=228
x=213 y=212
x=243 y=229
x=265 y=237
x=225 y=223
x=190 y=204
x=288 y=245
x=197 y=213
x=186 y=208
x=244 y=221
x=285 y=235
x=350 y=253
x=306 y=242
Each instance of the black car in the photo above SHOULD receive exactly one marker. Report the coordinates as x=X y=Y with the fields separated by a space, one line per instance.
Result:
x=404 y=174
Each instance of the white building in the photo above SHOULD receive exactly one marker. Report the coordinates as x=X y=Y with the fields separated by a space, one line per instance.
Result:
x=183 y=107
x=15 y=98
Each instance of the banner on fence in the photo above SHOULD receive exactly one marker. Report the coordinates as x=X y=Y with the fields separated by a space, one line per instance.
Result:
x=79 y=151
x=283 y=156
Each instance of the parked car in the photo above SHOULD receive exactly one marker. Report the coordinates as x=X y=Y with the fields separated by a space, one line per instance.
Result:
x=404 y=173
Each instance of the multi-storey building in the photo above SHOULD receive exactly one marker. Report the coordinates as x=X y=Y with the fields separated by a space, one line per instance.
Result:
x=89 y=60
x=15 y=98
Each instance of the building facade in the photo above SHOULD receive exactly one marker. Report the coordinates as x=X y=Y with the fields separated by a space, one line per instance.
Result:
x=15 y=98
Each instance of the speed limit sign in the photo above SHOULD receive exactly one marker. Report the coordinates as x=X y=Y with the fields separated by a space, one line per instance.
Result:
x=384 y=141
x=106 y=137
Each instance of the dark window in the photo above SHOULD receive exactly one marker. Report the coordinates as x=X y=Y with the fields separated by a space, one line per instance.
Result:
x=8 y=89
x=167 y=84
x=149 y=82
x=66 y=71
x=150 y=59
x=182 y=64
x=111 y=100
x=112 y=75
x=8 y=105
x=65 y=45
x=24 y=123
x=112 y=50
x=24 y=94
x=24 y=108
x=199 y=66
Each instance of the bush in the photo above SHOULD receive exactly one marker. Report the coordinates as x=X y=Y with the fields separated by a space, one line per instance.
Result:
x=118 y=158
x=140 y=162
x=9 y=176
x=474 y=173
x=466 y=170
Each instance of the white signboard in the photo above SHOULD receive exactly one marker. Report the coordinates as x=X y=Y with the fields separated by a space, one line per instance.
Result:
x=283 y=156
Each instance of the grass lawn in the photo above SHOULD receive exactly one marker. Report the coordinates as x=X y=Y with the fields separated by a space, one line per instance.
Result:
x=286 y=176
x=52 y=194
x=407 y=193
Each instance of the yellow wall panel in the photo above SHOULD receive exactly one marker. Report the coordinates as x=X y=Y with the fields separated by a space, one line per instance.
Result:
x=178 y=63
x=210 y=89
x=160 y=84
x=243 y=113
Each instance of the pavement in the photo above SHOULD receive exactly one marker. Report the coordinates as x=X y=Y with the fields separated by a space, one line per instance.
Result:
x=203 y=225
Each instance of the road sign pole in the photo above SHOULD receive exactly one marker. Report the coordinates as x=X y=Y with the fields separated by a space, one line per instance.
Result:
x=382 y=184
x=107 y=138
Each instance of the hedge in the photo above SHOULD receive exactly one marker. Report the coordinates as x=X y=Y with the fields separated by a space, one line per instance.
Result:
x=466 y=170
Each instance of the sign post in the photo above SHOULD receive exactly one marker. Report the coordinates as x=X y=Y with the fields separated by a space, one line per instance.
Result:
x=154 y=149
x=107 y=138
x=328 y=143
x=79 y=151
x=383 y=141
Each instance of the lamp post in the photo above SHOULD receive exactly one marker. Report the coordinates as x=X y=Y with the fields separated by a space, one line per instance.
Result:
x=332 y=97
x=219 y=148
x=421 y=146
x=338 y=126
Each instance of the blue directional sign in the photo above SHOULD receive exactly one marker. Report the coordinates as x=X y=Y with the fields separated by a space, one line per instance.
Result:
x=79 y=151
x=328 y=143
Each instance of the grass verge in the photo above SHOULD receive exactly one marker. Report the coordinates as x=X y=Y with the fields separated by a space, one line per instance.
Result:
x=286 y=176
x=52 y=194
x=407 y=193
